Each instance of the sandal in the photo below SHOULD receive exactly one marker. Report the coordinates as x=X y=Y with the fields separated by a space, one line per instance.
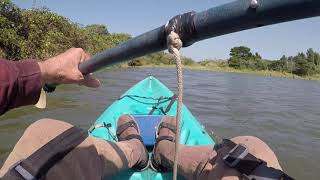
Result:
x=168 y=124
x=124 y=134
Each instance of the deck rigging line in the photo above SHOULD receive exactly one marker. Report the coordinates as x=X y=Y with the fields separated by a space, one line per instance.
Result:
x=160 y=100
x=174 y=44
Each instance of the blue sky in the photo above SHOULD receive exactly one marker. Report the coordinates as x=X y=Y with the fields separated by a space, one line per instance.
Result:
x=138 y=16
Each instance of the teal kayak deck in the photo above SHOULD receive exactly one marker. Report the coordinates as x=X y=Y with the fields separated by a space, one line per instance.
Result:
x=133 y=102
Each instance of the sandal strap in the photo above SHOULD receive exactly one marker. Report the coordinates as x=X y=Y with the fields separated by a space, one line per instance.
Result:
x=168 y=126
x=131 y=136
x=125 y=126
x=160 y=138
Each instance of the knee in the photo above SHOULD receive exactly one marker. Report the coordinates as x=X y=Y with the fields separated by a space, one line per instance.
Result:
x=124 y=117
x=247 y=140
x=46 y=127
x=254 y=144
x=34 y=137
x=42 y=123
x=259 y=149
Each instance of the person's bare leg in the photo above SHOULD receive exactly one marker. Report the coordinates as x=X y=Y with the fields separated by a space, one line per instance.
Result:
x=93 y=159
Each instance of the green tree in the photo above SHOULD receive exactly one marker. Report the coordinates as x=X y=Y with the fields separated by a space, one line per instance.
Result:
x=40 y=33
x=311 y=56
x=277 y=66
x=303 y=67
x=317 y=59
x=11 y=30
x=239 y=57
x=284 y=58
x=285 y=63
x=136 y=62
x=187 y=61
x=240 y=52
x=258 y=56
x=99 y=29
x=242 y=58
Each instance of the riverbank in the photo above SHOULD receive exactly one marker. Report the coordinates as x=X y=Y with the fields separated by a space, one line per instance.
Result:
x=233 y=70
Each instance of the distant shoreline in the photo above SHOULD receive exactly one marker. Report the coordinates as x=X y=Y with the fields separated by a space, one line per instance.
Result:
x=233 y=70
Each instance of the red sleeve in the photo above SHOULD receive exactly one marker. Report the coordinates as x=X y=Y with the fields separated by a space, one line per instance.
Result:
x=20 y=84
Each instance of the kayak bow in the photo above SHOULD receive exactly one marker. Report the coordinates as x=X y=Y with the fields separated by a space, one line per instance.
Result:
x=139 y=101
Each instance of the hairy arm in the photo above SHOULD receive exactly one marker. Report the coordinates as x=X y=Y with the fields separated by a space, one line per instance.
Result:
x=21 y=82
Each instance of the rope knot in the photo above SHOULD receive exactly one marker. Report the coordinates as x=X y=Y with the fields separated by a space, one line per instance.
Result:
x=173 y=42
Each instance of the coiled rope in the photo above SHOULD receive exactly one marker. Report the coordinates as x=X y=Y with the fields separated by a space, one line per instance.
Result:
x=174 y=44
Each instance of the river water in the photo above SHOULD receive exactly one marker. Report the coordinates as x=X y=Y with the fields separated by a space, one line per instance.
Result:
x=282 y=112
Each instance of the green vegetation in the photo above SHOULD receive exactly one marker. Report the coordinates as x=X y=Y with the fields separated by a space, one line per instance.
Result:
x=302 y=64
x=40 y=33
x=158 y=59
x=242 y=60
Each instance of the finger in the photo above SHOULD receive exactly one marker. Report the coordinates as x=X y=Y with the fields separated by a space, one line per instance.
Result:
x=85 y=56
x=75 y=76
x=75 y=54
x=90 y=81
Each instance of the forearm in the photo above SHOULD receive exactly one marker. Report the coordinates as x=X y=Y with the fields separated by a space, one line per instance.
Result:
x=20 y=84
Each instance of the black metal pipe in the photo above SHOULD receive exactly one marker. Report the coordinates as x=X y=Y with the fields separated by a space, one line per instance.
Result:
x=149 y=42
x=232 y=17
x=238 y=16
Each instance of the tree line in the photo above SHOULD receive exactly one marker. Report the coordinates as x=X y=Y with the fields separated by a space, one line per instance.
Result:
x=302 y=64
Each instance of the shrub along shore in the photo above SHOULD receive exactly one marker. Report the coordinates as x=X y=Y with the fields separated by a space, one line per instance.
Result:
x=242 y=60
x=39 y=33
x=197 y=67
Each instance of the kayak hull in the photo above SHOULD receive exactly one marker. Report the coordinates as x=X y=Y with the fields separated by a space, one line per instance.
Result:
x=139 y=100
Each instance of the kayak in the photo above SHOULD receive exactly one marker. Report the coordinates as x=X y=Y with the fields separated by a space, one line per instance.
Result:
x=148 y=101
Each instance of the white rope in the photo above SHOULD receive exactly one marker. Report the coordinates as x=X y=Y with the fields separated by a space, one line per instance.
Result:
x=174 y=43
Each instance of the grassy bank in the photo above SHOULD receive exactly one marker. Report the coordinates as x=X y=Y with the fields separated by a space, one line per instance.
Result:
x=233 y=70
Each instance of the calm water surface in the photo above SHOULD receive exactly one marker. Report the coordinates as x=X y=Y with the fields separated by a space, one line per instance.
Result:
x=284 y=113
